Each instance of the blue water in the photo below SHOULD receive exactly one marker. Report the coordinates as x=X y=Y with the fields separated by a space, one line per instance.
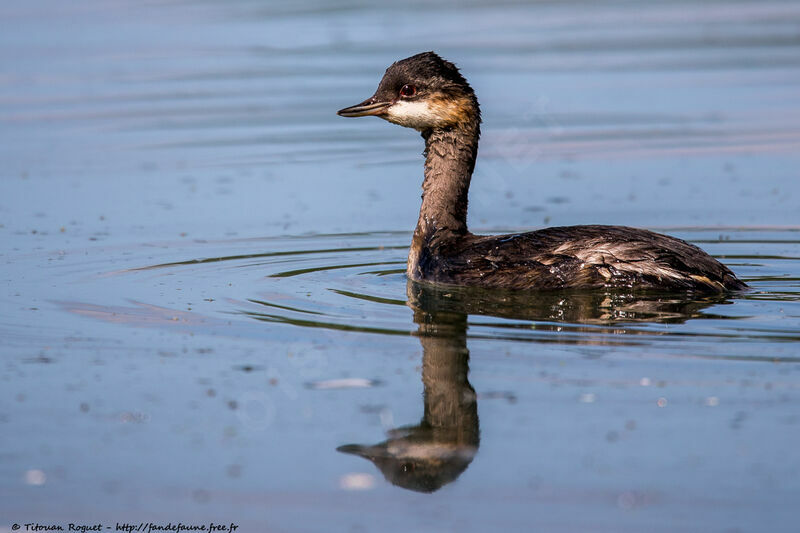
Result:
x=203 y=269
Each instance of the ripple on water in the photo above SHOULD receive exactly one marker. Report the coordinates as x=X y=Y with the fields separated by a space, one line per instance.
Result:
x=356 y=283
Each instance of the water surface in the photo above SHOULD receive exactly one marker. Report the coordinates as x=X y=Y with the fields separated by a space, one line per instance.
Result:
x=204 y=292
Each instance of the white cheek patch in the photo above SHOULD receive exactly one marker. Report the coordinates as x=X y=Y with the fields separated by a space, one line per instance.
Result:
x=417 y=115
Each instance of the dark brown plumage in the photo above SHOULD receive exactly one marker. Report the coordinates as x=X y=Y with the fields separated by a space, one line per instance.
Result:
x=571 y=257
x=429 y=94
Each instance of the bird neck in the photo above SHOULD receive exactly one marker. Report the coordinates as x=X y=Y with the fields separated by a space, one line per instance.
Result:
x=449 y=161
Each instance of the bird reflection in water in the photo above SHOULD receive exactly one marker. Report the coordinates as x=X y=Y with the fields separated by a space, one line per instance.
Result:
x=426 y=456
x=438 y=449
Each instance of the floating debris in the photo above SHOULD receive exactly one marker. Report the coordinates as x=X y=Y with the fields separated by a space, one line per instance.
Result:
x=248 y=368
x=35 y=477
x=344 y=383
x=509 y=396
x=357 y=481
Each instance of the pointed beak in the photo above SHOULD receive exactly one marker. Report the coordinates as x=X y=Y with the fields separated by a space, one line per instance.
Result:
x=366 y=108
x=356 y=449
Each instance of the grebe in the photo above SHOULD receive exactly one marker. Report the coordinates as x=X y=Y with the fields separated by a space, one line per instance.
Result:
x=429 y=94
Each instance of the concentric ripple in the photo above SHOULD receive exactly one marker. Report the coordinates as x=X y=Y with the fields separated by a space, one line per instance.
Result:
x=356 y=283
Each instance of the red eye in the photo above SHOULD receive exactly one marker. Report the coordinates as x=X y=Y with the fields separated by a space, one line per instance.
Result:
x=408 y=90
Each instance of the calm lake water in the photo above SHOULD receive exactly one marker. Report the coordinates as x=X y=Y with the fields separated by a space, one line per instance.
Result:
x=204 y=315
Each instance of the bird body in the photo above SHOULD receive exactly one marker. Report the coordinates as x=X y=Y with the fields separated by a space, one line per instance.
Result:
x=572 y=257
x=429 y=94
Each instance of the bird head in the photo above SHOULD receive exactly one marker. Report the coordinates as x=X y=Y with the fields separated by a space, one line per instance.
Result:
x=423 y=92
